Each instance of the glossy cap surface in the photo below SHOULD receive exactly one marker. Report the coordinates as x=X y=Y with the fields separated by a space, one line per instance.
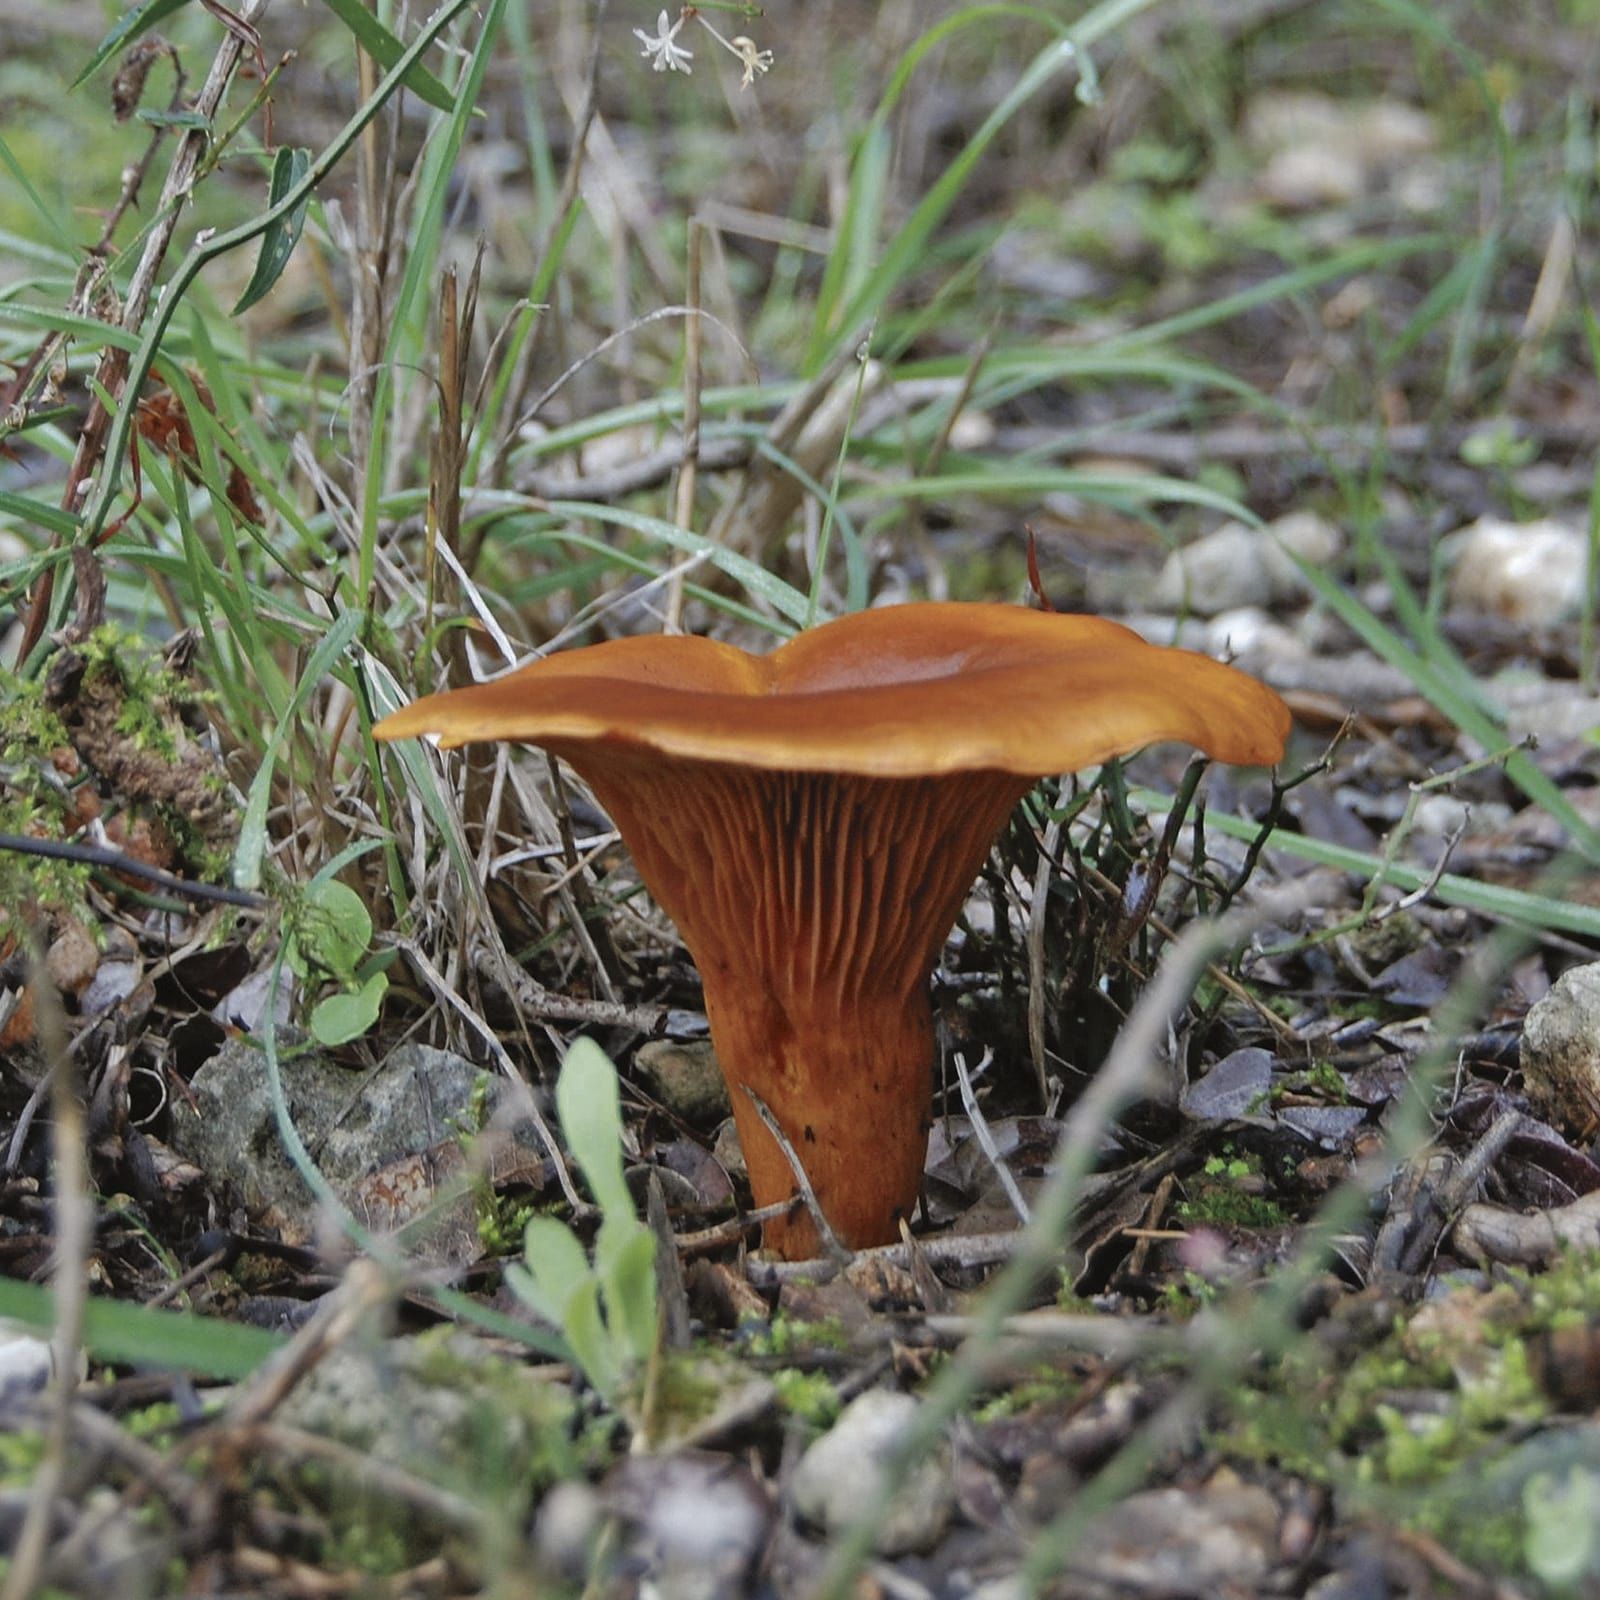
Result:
x=902 y=691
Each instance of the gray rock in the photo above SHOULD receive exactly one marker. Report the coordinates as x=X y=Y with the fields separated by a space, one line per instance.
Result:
x=440 y=1405
x=1178 y=1543
x=842 y=1470
x=1236 y=566
x=351 y=1122
x=729 y=1152
x=1317 y=151
x=685 y=1078
x=27 y=1364
x=1561 y=1051
x=1237 y=1086
x=696 y=1522
x=1527 y=572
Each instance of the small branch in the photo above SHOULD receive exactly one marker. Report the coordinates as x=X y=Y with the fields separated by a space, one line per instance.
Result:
x=683 y=502
x=980 y=1130
x=836 y=1253
x=548 y=1006
x=965 y=1251
x=713 y=1238
x=103 y=856
x=74 y=1230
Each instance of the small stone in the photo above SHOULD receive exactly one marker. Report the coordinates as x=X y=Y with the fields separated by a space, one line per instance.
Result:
x=1236 y=1087
x=27 y=1363
x=1561 y=1052
x=1317 y=151
x=1176 y=1542
x=111 y=984
x=729 y=1153
x=843 y=1470
x=1526 y=572
x=696 y=1522
x=1235 y=566
x=1442 y=816
x=72 y=958
x=567 y=1528
x=1310 y=175
x=353 y=1123
x=1306 y=534
x=1221 y=571
x=686 y=1078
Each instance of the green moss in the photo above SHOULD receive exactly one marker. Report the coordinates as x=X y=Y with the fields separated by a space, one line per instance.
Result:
x=501 y=1220
x=1220 y=1196
x=149 y=688
x=20 y=1454
x=1184 y=1296
x=1427 y=1425
x=787 y=1336
x=687 y=1388
x=29 y=730
x=158 y=1421
x=810 y=1396
x=31 y=804
x=1232 y=1208
x=34 y=889
x=1322 y=1078
x=1047 y=1385
x=368 y=1535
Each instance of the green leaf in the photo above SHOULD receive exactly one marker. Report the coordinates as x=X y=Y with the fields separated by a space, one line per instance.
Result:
x=1450 y=687
x=556 y=1268
x=32 y=513
x=385 y=49
x=348 y=1014
x=590 y=1341
x=175 y=1341
x=1560 y=1513
x=1517 y=906
x=137 y=20
x=590 y=1108
x=278 y=242
x=338 y=928
x=188 y=121
x=625 y=1254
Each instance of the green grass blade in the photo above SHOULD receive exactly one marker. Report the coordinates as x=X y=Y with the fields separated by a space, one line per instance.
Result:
x=138 y=1336
x=1517 y=906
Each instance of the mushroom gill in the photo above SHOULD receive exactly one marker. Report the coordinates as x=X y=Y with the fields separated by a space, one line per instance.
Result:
x=811 y=820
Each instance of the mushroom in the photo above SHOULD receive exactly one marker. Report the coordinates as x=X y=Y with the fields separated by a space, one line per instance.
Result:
x=812 y=820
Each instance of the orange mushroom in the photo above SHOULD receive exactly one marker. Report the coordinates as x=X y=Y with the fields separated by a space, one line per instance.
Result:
x=812 y=819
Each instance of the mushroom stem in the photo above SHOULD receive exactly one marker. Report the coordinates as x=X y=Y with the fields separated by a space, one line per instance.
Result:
x=814 y=905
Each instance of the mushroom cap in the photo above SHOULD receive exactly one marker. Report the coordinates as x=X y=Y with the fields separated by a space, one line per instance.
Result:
x=897 y=692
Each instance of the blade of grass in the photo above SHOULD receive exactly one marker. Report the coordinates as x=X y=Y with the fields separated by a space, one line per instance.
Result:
x=253 y=830
x=784 y=598
x=1518 y=907
x=1443 y=692
x=153 y=1340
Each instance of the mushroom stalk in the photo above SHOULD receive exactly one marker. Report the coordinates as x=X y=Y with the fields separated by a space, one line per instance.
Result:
x=815 y=907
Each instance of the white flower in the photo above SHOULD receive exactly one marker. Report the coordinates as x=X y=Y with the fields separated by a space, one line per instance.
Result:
x=754 y=60
x=662 y=47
